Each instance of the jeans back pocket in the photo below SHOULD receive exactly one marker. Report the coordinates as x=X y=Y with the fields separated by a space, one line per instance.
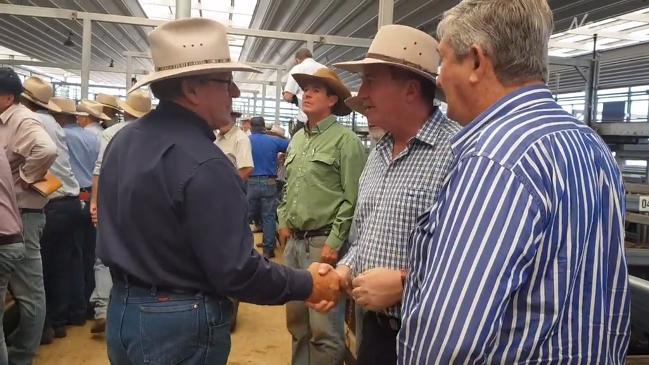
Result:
x=170 y=331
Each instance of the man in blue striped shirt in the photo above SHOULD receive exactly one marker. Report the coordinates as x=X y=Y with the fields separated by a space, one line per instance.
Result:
x=521 y=260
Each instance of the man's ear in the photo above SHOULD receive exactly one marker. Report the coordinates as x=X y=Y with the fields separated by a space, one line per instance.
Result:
x=482 y=64
x=189 y=89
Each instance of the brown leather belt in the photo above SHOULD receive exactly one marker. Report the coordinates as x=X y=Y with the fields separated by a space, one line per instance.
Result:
x=9 y=239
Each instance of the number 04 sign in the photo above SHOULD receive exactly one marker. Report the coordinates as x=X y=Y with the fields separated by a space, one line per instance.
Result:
x=643 y=203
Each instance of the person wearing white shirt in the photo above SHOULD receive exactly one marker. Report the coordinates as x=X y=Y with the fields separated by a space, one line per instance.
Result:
x=305 y=64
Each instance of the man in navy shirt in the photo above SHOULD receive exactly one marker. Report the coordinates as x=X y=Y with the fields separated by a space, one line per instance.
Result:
x=173 y=216
x=262 y=185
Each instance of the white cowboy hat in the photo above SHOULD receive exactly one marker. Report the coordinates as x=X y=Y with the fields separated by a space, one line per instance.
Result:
x=400 y=46
x=93 y=108
x=106 y=100
x=137 y=104
x=190 y=46
x=68 y=106
x=328 y=77
x=40 y=92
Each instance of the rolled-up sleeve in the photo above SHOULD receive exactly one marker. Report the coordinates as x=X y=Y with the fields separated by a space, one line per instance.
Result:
x=37 y=148
x=223 y=243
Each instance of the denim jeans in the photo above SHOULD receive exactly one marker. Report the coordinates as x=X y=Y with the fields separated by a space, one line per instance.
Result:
x=262 y=196
x=26 y=285
x=101 y=293
x=83 y=260
x=318 y=339
x=10 y=256
x=162 y=328
x=57 y=247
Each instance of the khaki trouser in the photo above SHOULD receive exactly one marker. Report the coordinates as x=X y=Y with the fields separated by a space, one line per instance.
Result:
x=318 y=339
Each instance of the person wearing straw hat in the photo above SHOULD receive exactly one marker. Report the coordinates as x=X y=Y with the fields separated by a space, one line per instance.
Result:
x=172 y=213
x=137 y=105
x=323 y=166
x=522 y=258
x=93 y=117
x=31 y=152
x=400 y=181
x=62 y=214
x=84 y=149
x=112 y=108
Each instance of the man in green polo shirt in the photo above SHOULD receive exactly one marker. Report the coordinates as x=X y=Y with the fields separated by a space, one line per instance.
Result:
x=323 y=166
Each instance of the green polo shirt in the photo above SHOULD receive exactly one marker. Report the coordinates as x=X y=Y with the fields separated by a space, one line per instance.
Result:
x=323 y=168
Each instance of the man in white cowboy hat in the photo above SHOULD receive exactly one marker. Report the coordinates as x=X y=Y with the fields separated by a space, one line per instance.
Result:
x=93 y=117
x=31 y=152
x=112 y=108
x=62 y=213
x=400 y=181
x=304 y=63
x=236 y=145
x=137 y=105
x=323 y=166
x=173 y=225
x=522 y=259
x=84 y=149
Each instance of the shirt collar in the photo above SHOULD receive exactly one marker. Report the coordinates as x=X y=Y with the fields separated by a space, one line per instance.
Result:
x=175 y=112
x=6 y=115
x=228 y=135
x=522 y=98
x=321 y=126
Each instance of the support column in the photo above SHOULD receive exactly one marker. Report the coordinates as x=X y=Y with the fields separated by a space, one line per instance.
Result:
x=86 y=48
x=263 y=100
x=183 y=9
x=386 y=12
x=129 y=71
x=278 y=94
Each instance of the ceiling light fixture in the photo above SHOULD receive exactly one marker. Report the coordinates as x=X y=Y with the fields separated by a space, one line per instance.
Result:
x=111 y=63
x=68 y=42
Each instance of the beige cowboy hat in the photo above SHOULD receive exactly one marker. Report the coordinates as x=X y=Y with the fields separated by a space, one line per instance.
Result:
x=355 y=103
x=190 y=46
x=137 y=104
x=93 y=108
x=40 y=92
x=106 y=100
x=328 y=77
x=68 y=106
x=400 y=46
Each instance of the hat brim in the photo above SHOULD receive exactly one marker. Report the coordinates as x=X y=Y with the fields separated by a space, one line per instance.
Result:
x=128 y=109
x=51 y=106
x=192 y=70
x=339 y=89
x=357 y=67
x=356 y=104
x=112 y=106
x=78 y=114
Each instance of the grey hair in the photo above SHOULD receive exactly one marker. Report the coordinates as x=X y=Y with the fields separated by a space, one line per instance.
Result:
x=514 y=33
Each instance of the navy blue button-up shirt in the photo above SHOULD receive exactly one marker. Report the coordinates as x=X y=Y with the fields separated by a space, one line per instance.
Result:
x=264 y=153
x=173 y=213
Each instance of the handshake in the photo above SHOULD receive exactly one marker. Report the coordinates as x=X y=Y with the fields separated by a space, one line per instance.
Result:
x=375 y=289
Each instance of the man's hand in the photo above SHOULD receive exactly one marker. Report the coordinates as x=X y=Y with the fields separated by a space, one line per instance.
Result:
x=326 y=288
x=283 y=235
x=329 y=255
x=377 y=289
x=93 y=213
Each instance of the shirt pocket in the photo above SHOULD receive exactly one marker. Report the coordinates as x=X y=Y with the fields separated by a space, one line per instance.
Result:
x=323 y=168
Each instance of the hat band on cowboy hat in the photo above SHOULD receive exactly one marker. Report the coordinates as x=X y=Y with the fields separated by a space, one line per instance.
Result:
x=192 y=63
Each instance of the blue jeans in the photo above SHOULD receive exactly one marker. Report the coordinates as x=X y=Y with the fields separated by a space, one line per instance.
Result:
x=83 y=261
x=10 y=256
x=262 y=196
x=148 y=327
x=26 y=285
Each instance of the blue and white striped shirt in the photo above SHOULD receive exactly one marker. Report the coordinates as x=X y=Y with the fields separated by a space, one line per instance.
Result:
x=521 y=259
